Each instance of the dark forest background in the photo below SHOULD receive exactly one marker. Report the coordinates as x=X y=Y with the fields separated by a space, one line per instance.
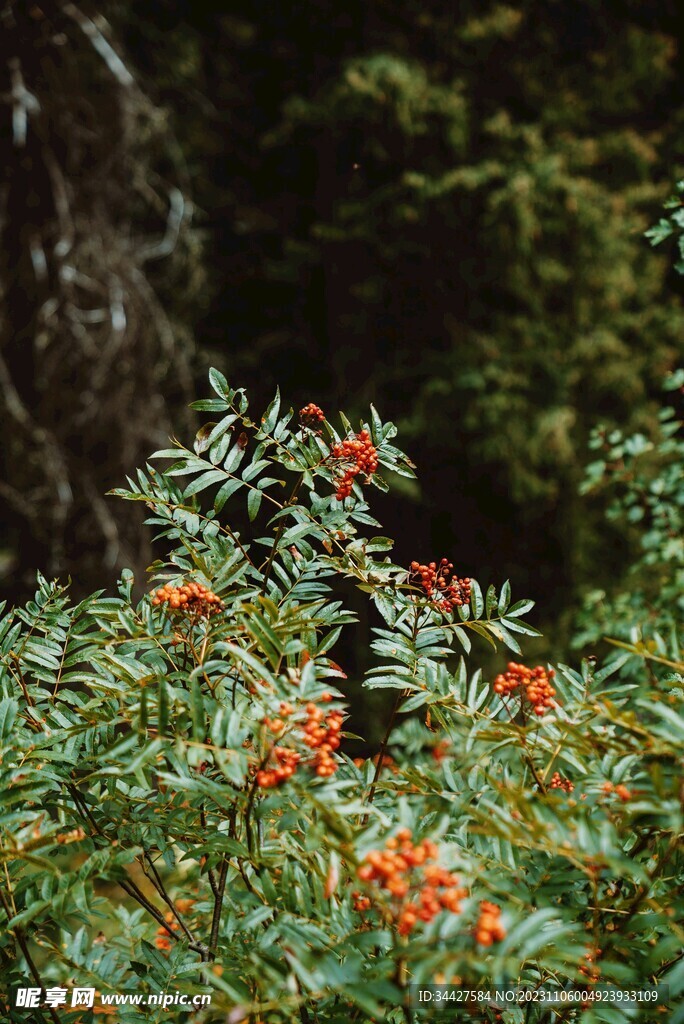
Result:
x=436 y=207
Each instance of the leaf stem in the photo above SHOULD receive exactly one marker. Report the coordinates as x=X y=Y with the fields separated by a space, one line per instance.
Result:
x=383 y=750
x=281 y=529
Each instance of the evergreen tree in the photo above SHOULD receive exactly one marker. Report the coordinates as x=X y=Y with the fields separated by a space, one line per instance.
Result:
x=441 y=210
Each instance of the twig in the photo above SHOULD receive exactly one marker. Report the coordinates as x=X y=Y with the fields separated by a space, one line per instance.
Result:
x=211 y=874
x=159 y=886
x=218 y=905
x=130 y=887
x=23 y=945
x=100 y=44
x=279 y=533
x=383 y=750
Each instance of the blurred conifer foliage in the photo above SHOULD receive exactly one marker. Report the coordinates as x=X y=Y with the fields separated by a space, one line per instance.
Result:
x=441 y=208
x=436 y=207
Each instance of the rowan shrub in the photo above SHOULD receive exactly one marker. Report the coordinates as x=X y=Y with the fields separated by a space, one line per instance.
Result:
x=178 y=809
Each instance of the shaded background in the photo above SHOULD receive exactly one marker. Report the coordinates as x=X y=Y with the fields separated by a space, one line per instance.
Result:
x=435 y=207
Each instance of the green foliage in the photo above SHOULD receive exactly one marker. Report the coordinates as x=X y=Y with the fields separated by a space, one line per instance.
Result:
x=439 y=210
x=671 y=225
x=136 y=741
x=444 y=216
x=645 y=478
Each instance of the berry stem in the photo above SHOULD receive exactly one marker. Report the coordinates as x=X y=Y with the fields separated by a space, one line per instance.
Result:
x=390 y=725
x=530 y=762
x=281 y=529
x=383 y=751
x=250 y=806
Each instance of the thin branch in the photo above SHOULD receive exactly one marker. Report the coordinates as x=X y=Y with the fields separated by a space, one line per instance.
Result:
x=218 y=906
x=211 y=874
x=174 y=223
x=279 y=533
x=23 y=945
x=383 y=750
x=101 y=45
x=129 y=886
x=159 y=886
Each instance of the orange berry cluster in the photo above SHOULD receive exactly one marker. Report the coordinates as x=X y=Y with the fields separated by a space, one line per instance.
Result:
x=387 y=762
x=434 y=579
x=322 y=734
x=619 y=790
x=163 y=937
x=319 y=732
x=361 y=902
x=591 y=970
x=441 y=750
x=360 y=451
x=420 y=898
x=535 y=681
x=559 y=783
x=311 y=415
x=286 y=764
x=190 y=597
x=489 y=928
